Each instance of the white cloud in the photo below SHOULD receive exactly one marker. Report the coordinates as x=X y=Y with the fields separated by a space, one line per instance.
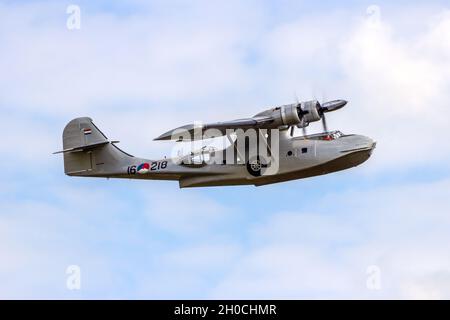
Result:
x=37 y=243
x=184 y=213
x=159 y=72
x=400 y=93
x=139 y=75
x=402 y=229
x=118 y=245
x=396 y=80
x=137 y=58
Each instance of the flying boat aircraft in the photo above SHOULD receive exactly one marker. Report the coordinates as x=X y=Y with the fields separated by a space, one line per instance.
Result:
x=261 y=150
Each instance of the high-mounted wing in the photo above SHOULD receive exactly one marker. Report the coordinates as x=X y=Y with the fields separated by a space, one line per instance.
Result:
x=197 y=131
x=296 y=114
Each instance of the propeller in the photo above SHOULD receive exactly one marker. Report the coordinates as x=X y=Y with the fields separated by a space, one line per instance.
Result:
x=324 y=123
x=298 y=108
x=324 y=120
x=322 y=117
x=321 y=108
x=328 y=107
x=301 y=113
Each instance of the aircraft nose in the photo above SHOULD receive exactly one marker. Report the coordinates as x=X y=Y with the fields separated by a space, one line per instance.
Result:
x=359 y=143
x=371 y=144
x=367 y=143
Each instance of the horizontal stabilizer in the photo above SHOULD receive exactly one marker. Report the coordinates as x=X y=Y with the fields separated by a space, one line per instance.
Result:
x=83 y=147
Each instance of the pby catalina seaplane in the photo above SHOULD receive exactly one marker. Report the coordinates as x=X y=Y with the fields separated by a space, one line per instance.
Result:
x=88 y=153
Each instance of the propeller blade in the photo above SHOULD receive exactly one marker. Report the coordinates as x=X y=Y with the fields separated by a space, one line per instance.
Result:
x=324 y=123
x=304 y=131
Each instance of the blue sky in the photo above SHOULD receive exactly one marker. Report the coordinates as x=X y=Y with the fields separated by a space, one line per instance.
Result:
x=141 y=68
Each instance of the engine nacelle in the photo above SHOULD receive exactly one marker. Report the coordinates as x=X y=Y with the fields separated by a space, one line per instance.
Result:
x=299 y=114
x=289 y=115
x=310 y=110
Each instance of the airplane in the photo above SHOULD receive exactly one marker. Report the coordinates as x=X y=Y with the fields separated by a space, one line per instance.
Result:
x=88 y=152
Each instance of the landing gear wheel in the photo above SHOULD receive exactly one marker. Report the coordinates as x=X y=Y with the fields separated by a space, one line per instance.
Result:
x=254 y=167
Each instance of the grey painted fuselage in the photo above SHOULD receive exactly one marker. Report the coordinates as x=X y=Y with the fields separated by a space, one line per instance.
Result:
x=92 y=155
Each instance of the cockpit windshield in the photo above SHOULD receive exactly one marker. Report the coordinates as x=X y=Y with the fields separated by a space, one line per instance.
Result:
x=336 y=134
x=328 y=136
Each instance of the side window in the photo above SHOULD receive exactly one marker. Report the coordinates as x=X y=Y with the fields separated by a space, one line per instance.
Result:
x=301 y=151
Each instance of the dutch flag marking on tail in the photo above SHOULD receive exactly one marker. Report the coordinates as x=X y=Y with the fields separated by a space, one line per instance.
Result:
x=87 y=131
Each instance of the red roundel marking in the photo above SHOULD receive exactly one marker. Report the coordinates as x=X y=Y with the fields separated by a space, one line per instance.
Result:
x=144 y=166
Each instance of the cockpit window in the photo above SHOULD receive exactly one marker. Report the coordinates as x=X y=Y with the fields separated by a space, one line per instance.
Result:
x=336 y=134
x=333 y=135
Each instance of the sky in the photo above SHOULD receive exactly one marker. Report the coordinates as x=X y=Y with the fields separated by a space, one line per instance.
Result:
x=140 y=68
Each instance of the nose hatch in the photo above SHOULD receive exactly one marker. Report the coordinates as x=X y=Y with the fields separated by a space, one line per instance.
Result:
x=359 y=143
x=365 y=142
x=369 y=145
x=372 y=146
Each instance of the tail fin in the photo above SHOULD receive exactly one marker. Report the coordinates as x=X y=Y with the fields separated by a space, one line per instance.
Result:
x=87 y=151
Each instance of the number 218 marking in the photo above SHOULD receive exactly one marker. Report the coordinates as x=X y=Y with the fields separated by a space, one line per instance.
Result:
x=156 y=165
